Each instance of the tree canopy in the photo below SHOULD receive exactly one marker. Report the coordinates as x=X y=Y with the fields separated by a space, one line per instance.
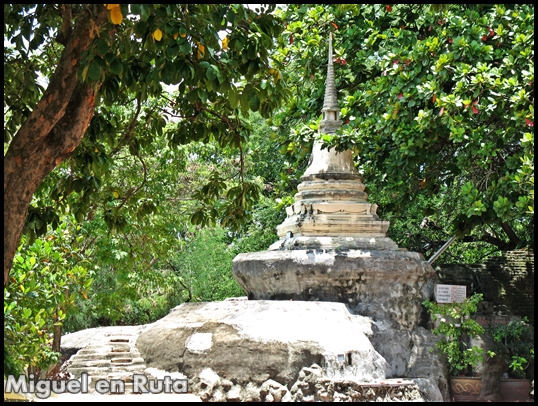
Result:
x=437 y=102
x=96 y=58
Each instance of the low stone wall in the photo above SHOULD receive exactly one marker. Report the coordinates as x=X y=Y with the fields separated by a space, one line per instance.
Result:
x=312 y=385
x=507 y=283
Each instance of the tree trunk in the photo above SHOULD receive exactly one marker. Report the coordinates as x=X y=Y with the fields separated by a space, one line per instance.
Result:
x=51 y=133
x=514 y=239
x=57 y=338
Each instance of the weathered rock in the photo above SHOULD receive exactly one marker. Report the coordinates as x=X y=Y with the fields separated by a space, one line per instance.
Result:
x=282 y=351
x=304 y=390
x=492 y=371
x=209 y=379
x=154 y=373
x=428 y=389
x=408 y=353
x=382 y=284
x=234 y=395
x=272 y=391
x=218 y=395
x=393 y=344
x=313 y=385
x=251 y=393
x=428 y=364
x=253 y=341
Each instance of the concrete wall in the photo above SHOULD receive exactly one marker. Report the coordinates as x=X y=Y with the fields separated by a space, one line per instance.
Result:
x=507 y=283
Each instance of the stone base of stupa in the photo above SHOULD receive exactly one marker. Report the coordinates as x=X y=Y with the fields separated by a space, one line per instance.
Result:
x=385 y=285
x=274 y=351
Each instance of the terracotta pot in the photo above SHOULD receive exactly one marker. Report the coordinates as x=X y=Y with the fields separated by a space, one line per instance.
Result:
x=465 y=388
x=515 y=390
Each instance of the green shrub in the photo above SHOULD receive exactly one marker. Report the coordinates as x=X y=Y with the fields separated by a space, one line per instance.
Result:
x=515 y=343
x=45 y=280
x=456 y=327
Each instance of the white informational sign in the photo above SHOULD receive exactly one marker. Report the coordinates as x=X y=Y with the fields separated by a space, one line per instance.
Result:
x=450 y=293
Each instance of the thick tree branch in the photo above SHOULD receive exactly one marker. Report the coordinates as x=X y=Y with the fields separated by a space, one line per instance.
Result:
x=514 y=239
x=490 y=239
x=66 y=23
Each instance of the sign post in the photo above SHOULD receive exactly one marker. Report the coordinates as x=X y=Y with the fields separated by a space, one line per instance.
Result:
x=450 y=293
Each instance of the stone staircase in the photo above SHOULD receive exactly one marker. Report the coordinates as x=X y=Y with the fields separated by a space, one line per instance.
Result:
x=114 y=357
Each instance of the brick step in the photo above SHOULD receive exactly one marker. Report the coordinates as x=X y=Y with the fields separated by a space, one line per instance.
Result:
x=98 y=371
x=80 y=363
x=106 y=356
x=107 y=348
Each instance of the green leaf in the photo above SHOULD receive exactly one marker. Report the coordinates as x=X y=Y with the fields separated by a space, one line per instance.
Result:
x=244 y=101
x=94 y=71
x=233 y=99
x=102 y=46
x=116 y=67
x=211 y=73
x=144 y=12
x=202 y=95
x=96 y=182
x=141 y=29
x=254 y=103
x=77 y=185
x=166 y=73
x=192 y=96
x=185 y=48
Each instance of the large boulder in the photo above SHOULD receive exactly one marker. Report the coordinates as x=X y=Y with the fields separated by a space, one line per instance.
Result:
x=254 y=341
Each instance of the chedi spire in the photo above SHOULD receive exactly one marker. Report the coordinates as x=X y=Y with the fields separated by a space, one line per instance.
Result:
x=331 y=111
x=330 y=200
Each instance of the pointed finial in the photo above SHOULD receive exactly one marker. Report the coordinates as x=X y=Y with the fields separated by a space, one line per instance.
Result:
x=331 y=111
x=330 y=48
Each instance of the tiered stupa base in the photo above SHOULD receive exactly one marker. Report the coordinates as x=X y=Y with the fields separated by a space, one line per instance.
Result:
x=381 y=284
x=333 y=247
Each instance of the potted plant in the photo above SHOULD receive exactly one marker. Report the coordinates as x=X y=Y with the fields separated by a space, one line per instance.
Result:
x=514 y=342
x=454 y=323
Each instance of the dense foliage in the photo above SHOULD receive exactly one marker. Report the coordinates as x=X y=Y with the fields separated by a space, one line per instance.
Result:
x=437 y=101
x=48 y=278
x=96 y=59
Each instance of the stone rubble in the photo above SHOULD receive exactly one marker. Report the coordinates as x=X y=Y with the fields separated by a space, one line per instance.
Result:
x=312 y=385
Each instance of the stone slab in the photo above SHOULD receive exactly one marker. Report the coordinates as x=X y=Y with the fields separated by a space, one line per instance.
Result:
x=253 y=341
